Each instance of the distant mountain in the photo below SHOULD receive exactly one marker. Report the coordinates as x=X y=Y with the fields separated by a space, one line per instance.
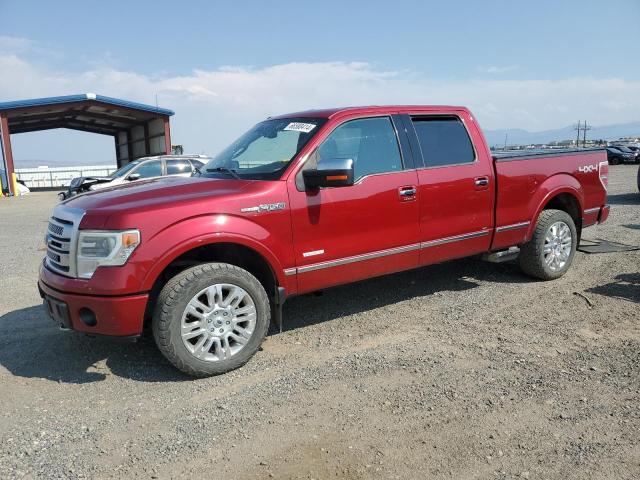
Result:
x=523 y=137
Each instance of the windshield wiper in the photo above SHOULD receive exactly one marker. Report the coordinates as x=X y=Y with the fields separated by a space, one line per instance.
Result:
x=225 y=170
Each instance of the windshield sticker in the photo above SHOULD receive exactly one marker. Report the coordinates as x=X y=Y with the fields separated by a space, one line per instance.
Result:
x=300 y=127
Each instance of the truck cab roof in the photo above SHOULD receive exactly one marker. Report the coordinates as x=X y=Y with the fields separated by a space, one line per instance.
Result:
x=375 y=109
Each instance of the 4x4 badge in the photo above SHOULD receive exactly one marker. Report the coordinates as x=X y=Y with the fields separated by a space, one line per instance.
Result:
x=265 y=207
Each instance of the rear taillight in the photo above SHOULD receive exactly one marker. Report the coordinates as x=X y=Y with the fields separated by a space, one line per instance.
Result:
x=603 y=172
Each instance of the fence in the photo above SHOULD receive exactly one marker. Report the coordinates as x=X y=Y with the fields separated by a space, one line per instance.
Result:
x=45 y=177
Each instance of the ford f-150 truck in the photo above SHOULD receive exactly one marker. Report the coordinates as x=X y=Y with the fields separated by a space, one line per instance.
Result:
x=299 y=203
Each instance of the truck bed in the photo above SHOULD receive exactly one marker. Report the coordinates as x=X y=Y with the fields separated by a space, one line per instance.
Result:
x=526 y=181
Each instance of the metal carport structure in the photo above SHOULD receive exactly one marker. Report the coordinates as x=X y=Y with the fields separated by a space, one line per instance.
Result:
x=138 y=130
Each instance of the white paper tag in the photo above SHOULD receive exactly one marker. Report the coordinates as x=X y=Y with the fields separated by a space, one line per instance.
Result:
x=300 y=127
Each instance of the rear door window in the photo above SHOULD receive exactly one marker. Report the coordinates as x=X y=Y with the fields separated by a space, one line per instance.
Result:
x=443 y=141
x=176 y=167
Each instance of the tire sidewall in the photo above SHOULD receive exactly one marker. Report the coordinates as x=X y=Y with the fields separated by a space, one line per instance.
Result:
x=558 y=216
x=201 y=279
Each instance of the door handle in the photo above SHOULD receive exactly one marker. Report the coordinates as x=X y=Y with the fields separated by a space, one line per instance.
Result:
x=481 y=181
x=408 y=191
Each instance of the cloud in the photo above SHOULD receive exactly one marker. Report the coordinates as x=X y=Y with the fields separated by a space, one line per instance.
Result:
x=497 y=70
x=214 y=106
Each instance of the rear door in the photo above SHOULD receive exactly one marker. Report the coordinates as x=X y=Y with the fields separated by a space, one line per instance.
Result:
x=456 y=186
x=343 y=234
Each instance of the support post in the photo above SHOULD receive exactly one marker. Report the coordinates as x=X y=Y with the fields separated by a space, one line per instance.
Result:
x=167 y=137
x=7 y=155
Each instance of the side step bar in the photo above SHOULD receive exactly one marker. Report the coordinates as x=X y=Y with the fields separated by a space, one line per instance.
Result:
x=502 y=255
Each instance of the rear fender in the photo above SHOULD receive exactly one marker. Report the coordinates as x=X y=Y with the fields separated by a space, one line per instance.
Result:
x=550 y=188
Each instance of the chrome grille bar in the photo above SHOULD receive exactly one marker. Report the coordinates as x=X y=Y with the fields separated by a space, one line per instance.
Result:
x=61 y=239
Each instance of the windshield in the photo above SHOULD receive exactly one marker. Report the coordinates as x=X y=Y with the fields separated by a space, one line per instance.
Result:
x=265 y=151
x=124 y=170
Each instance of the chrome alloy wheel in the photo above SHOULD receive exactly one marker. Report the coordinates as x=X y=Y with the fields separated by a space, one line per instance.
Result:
x=557 y=246
x=218 y=322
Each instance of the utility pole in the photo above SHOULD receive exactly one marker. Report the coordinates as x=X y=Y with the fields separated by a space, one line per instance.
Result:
x=584 y=134
x=506 y=135
x=578 y=128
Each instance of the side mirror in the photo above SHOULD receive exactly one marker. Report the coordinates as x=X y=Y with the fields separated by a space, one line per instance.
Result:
x=335 y=172
x=133 y=176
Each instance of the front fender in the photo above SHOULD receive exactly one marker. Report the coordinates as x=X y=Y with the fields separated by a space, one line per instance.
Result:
x=550 y=188
x=195 y=232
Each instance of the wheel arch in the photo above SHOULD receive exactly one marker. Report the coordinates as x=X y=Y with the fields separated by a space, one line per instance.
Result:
x=235 y=250
x=560 y=192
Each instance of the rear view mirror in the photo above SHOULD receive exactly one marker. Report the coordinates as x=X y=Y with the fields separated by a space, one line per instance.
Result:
x=133 y=176
x=335 y=172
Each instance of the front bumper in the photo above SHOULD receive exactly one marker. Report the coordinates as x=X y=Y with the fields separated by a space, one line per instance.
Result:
x=120 y=316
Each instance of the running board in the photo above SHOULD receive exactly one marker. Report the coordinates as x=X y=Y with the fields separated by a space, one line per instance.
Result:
x=502 y=255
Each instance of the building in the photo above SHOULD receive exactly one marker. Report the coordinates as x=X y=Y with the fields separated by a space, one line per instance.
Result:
x=138 y=130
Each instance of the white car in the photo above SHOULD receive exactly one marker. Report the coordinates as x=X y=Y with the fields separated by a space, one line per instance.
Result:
x=143 y=168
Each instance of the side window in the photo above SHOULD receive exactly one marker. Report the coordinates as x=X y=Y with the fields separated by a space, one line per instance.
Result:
x=175 y=167
x=443 y=141
x=149 y=169
x=370 y=142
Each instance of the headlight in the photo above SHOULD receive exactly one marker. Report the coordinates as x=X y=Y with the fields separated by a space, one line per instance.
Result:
x=104 y=248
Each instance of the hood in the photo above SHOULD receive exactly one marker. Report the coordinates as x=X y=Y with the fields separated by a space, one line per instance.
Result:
x=154 y=194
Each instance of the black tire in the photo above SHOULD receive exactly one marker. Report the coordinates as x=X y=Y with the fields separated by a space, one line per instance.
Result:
x=173 y=300
x=639 y=179
x=614 y=161
x=532 y=259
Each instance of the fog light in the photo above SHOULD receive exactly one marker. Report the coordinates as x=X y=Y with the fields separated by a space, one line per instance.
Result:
x=88 y=317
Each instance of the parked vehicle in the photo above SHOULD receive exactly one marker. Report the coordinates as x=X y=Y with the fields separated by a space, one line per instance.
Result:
x=300 y=203
x=635 y=150
x=615 y=155
x=22 y=189
x=143 y=168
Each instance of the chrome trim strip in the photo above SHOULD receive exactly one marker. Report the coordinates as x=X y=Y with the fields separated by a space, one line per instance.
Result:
x=513 y=226
x=358 y=258
x=591 y=210
x=384 y=253
x=455 y=238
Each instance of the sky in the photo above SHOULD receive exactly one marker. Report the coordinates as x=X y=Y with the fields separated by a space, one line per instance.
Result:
x=223 y=66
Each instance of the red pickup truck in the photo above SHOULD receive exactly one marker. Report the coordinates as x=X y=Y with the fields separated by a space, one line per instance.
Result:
x=303 y=202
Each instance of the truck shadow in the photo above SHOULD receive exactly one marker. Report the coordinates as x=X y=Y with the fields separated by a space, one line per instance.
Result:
x=624 y=199
x=31 y=345
x=454 y=276
x=626 y=287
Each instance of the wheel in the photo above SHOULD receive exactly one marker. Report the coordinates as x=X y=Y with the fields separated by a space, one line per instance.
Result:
x=614 y=161
x=549 y=253
x=211 y=319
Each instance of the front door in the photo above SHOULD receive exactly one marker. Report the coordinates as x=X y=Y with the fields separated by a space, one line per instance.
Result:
x=343 y=234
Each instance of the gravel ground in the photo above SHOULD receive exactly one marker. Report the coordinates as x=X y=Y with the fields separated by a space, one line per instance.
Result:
x=459 y=370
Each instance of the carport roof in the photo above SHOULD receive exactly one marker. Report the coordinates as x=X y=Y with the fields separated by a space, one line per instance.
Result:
x=87 y=112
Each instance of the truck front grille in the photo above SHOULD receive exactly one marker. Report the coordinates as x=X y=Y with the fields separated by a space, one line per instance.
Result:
x=61 y=239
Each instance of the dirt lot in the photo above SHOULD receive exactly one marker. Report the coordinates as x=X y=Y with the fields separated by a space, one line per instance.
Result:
x=460 y=370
